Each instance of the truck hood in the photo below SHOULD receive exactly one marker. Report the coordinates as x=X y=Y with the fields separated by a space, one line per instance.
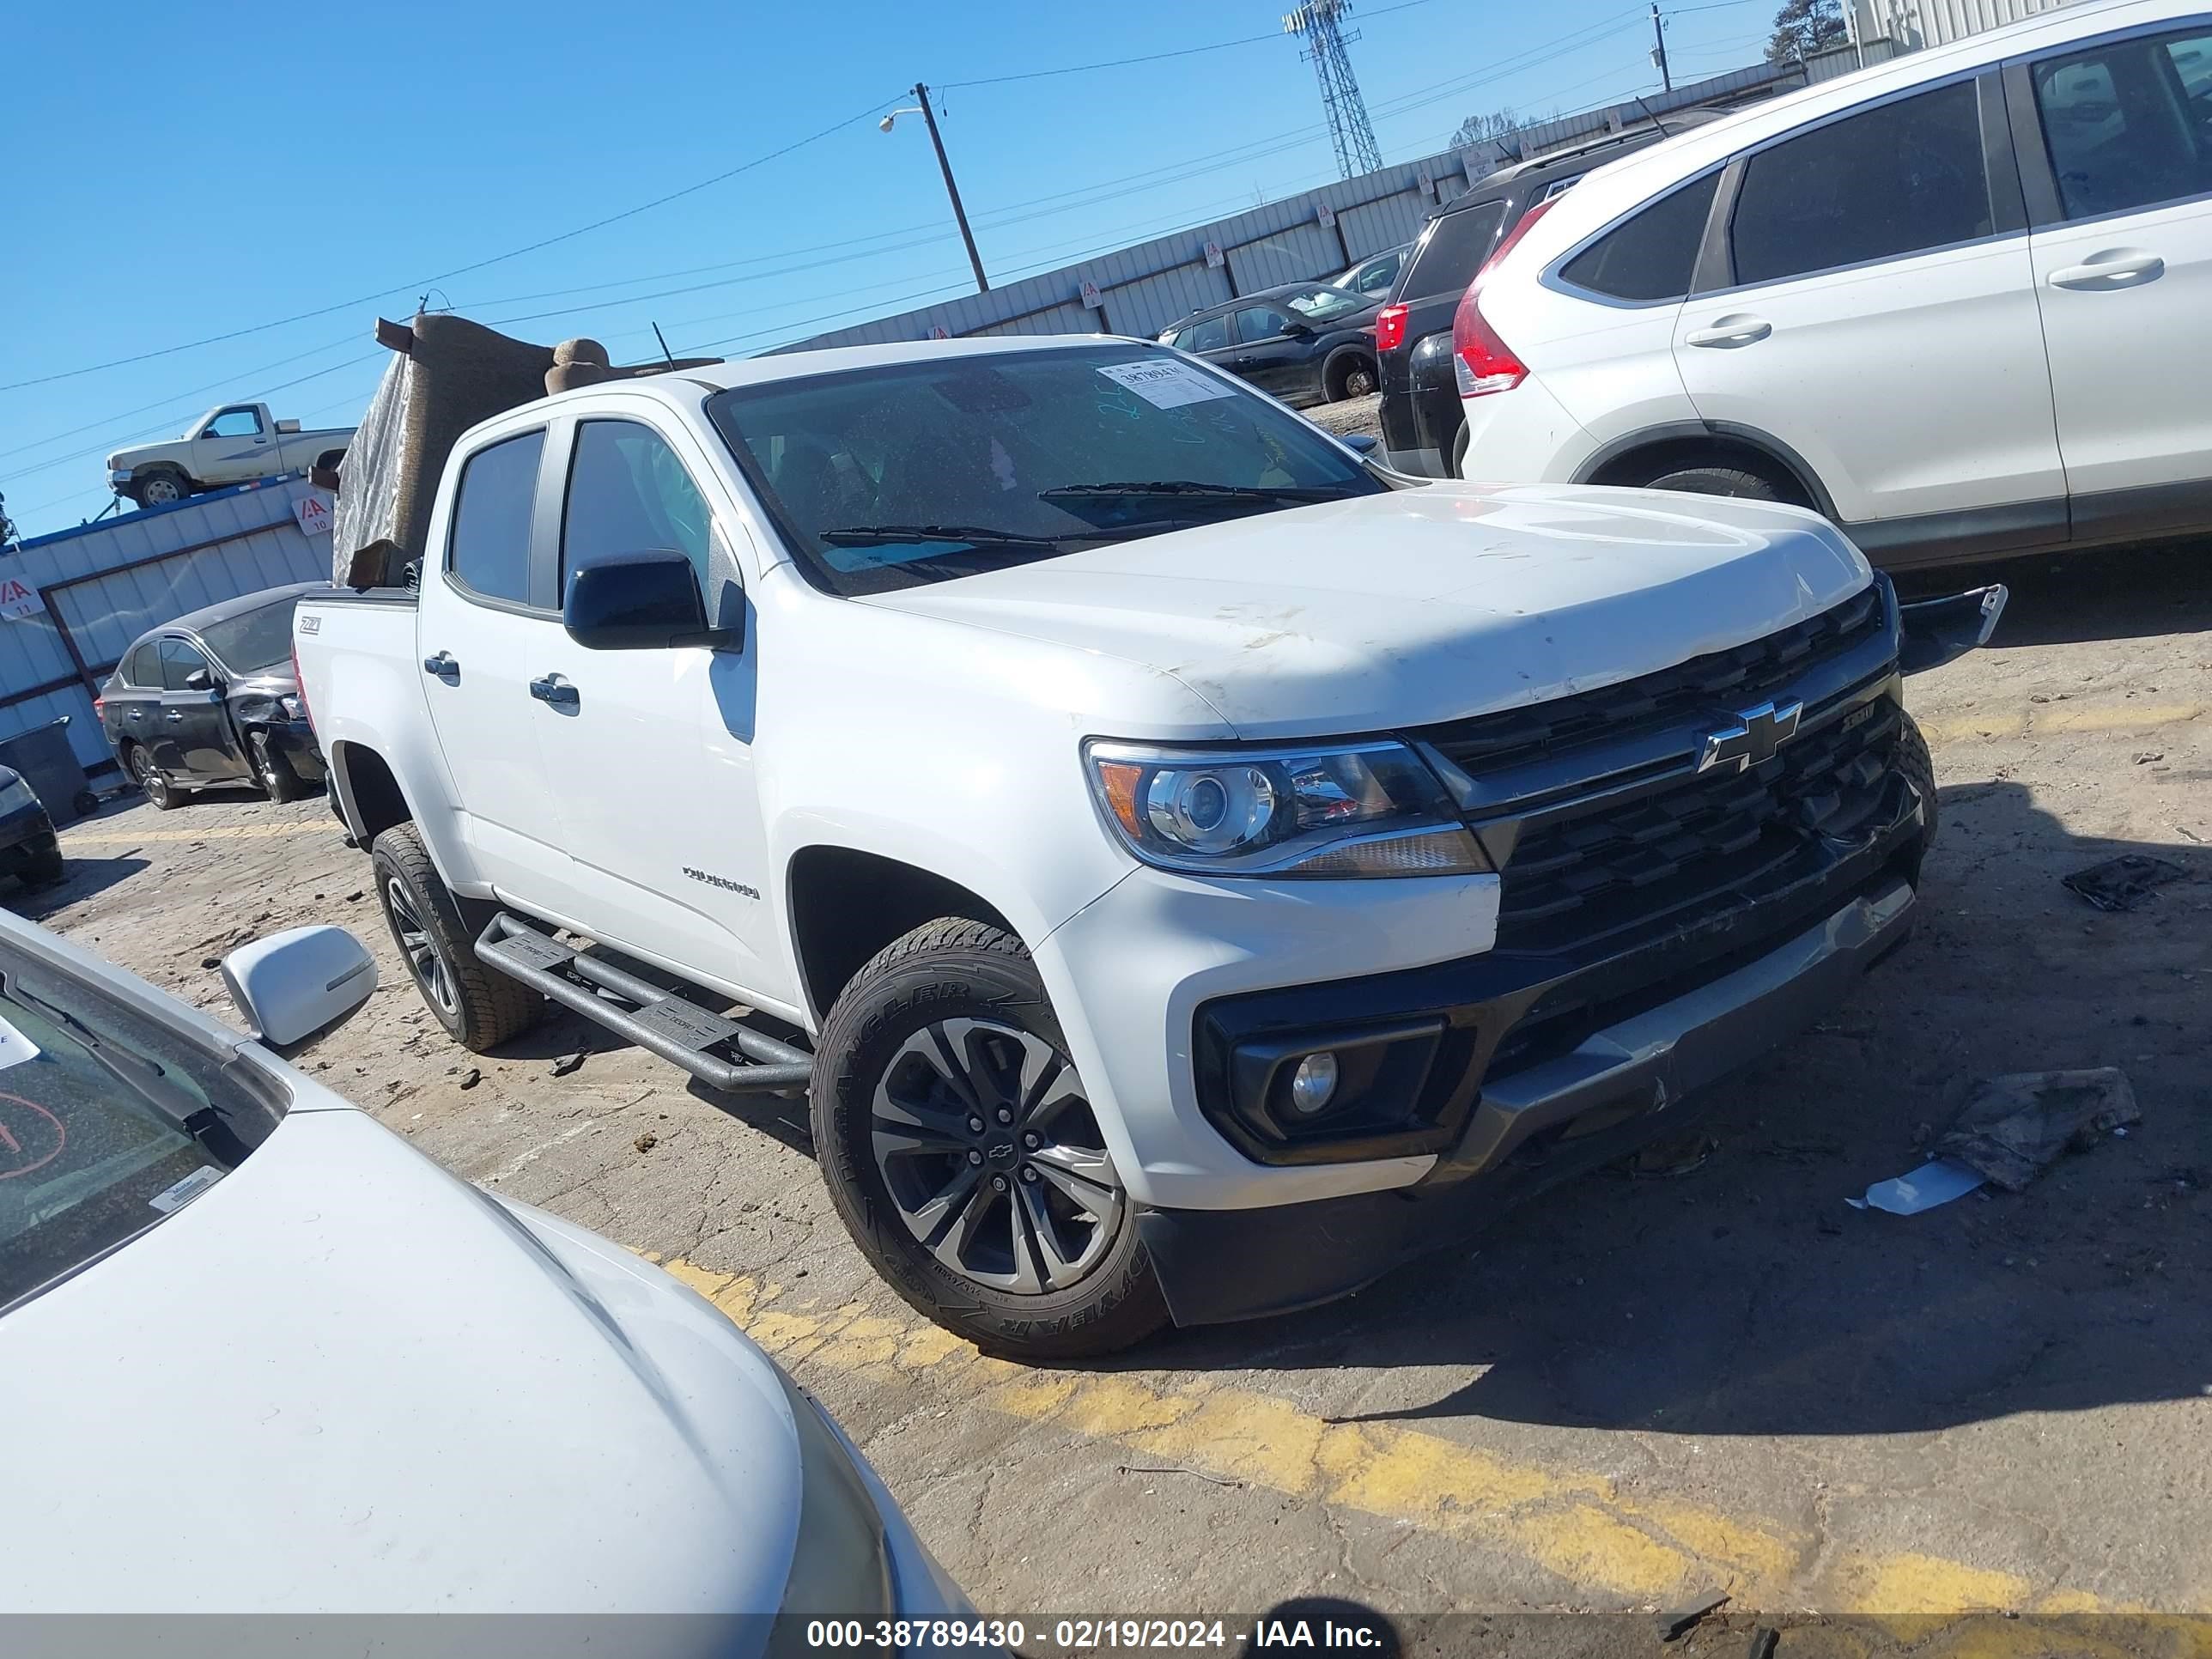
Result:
x=1421 y=605
x=343 y=1380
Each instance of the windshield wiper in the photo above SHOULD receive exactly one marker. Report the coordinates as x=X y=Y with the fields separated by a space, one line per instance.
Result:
x=882 y=535
x=1191 y=490
x=207 y=1124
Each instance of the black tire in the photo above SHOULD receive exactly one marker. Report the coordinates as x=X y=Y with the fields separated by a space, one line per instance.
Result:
x=1718 y=481
x=272 y=771
x=87 y=802
x=1349 y=372
x=161 y=486
x=1913 y=759
x=954 y=970
x=46 y=869
x=138 y=761
x=436 y=933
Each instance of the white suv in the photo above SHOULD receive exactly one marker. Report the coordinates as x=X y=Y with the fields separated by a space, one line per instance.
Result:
x=1957 y=302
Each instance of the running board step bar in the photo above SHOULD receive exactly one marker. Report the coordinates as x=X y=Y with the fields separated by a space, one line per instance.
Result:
x=673 y=1027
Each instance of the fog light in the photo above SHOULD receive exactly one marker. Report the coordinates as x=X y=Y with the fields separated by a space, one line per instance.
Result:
x=1313 y=1086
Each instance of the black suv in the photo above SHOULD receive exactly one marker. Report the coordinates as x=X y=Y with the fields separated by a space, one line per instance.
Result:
x=1422 y=421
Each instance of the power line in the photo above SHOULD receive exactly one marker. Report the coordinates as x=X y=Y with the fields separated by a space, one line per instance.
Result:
x=461 y=270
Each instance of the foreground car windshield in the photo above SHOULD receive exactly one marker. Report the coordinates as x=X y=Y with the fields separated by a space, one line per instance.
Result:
x=108 y=1123
x=919 y=473
x=253 y=640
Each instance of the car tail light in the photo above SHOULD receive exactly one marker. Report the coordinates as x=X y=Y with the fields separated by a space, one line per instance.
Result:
x=1481 y=360
x=99 y=707
x=1390 y=328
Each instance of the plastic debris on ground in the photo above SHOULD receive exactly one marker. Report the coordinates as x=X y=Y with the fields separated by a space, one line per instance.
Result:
x=2013 y=1128
x=2010 y=1130
x=2123 y=883
x=1936 y=1182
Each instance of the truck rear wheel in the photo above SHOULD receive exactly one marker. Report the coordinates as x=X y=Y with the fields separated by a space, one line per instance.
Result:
x=479 y=1008
x=1920 y=769
x=963 y=1155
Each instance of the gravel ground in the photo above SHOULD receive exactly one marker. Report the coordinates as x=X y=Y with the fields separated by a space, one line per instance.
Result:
x=1641 y=1389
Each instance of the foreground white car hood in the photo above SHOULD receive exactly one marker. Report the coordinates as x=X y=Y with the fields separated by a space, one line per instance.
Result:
x=343 y=1381
x=1422 y=604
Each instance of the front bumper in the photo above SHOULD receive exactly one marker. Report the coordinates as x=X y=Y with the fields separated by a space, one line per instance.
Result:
x=1621 y=1085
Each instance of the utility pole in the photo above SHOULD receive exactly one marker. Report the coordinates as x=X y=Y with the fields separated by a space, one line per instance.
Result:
x=1658 y=48
x=959 y=213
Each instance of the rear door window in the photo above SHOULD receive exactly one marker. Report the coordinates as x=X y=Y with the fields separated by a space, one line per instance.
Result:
x=1451 y=250
x=490 y=547
x=1212 y=334
x=1653 y=255
x=1257 y=323
x=143 y=666
x=1893 y=180
x=2128 y=123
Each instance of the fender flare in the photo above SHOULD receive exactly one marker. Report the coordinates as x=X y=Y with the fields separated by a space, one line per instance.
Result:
x=1773 y=449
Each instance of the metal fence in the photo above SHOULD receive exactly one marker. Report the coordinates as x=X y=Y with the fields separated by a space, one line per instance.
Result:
x=103 y=584
x=1142 y=289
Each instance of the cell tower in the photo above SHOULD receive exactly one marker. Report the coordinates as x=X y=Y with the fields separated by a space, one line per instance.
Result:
x=1349 y=129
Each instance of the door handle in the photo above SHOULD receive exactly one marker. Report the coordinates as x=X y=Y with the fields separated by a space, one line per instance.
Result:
x=173 y=717
x=1729 y=331
x=444 y=666
x=2112 y=268
x=555 y=690
x=138 y=713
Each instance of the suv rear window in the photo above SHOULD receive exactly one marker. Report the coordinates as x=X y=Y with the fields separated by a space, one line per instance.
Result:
x=1880 y=185
x=491 y=545
x=1653 y=255
x=1451 y=250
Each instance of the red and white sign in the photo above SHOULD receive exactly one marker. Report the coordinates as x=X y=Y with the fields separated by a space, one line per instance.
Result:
x=1326 y=215
x=18 y=598
x=314 y=516
x=1215 y=259
x=938 y=332
x=1092 y=299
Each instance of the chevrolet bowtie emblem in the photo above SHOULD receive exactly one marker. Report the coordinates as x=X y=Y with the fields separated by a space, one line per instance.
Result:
x=1754 y=737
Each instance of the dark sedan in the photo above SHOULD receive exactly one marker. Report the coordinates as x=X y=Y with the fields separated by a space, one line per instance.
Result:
x=1305 y=342
x=211 y=699
x=28 y=850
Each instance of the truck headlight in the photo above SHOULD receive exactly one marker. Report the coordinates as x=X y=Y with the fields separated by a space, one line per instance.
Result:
x=1362 y=809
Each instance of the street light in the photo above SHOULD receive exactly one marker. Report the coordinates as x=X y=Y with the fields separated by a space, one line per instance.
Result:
x=959 y=213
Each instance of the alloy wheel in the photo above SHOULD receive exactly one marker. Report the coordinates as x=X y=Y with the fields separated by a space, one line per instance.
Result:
x=149 y=777
x=431 y=974
x=993 y=1158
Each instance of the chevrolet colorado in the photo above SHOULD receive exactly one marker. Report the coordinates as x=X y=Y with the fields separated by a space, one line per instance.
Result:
x=1191 y=870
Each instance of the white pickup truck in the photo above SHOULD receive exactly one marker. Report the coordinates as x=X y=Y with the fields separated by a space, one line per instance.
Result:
x=1192 y=870
x=233 y=443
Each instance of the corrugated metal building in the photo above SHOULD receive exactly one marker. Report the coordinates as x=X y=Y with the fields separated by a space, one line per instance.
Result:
x=104 y=584
x=1140 y=290
x=1913 y=25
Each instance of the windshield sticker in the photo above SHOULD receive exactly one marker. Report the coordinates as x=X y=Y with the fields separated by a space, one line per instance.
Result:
x=186 y=1190
x=30 y=1137
x=1169 y=384
x=15 y=1047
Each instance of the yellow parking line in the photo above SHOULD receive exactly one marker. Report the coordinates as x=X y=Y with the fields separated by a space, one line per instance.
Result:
x=1586 y=1529
x=213 y=832
x=2038 y=720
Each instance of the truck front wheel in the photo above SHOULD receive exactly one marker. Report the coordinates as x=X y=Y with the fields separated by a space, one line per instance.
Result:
x=480 y=1009
x=963 y=1152
x=160 y=487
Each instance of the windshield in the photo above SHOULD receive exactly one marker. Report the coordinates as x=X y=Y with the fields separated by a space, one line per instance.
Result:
x=253 y=640
x=918 y=472
x=1322 y=305
x=108 y=1122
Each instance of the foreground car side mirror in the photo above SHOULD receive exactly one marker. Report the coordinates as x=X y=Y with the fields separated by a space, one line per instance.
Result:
x=1360 y=443
x=295 y=983
x=641 y=602
x=1937 y=631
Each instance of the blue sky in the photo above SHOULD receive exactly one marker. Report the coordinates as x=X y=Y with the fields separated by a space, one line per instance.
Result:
x=174 y=173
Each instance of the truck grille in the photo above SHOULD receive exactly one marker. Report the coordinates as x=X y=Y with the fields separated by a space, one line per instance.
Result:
x=1734 y=678
x=1626 y=867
